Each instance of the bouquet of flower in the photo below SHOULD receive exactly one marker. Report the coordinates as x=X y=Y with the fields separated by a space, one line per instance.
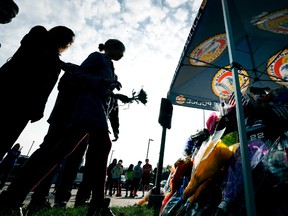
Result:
x=141 y=96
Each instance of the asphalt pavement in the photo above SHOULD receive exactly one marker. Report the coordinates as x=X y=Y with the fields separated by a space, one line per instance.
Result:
x=115 y=201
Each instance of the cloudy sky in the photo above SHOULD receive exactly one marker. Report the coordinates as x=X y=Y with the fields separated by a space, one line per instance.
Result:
x=154 y=33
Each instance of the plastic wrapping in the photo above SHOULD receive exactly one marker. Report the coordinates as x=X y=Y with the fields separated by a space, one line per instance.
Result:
x=183 y=167
x=173 y=201
x=210 y=158
x=276 y=160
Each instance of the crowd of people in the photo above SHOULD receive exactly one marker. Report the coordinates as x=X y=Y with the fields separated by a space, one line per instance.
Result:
x=77 y=123
x=136 y=178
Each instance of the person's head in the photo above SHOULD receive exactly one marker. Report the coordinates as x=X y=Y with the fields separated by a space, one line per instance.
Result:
x=139 y=162
x=147 y=160
x=114 y=161
x=131 y=166
x=113 y=48
x=120 y=162
x=8 y=10
x=61 y=38
x=17 y=146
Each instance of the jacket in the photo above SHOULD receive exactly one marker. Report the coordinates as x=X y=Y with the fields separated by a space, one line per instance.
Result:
x=29 y=76
x=83 y=96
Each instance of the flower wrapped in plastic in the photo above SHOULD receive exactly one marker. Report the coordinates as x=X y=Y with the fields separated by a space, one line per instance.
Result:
x=233 y=183
x=212 y=156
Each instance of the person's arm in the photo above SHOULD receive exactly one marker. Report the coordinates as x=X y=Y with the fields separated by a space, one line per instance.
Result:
x=114 y=120
x=97 y=70
x=37 y=111
x=69 y=67
x=90 y=78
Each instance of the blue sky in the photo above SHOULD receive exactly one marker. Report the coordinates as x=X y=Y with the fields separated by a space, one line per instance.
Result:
x=154 y=33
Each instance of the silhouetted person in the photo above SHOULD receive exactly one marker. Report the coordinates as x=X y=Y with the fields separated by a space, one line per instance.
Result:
x=129 y=175
x=109 y=182
x=66 y=174
x=117 y=171
x=137 y=177
x=8 y=163
x=81 y=109
x=146 y=175
x=27 y=79
x=8 y=10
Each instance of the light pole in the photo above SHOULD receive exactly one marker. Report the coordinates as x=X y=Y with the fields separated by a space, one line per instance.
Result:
x=148 y=147
x=111 y=156
x=30 y=148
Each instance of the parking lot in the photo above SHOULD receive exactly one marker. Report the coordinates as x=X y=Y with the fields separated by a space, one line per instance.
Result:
x=115 y=201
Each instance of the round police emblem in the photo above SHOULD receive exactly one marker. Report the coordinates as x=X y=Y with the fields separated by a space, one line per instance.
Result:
x=222 y=82
x=278 y=68
x=209 y=50
x=180 y=99
x=275 y=22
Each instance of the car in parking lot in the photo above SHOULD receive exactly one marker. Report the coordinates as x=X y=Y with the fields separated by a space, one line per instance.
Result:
x=163 y=183
x=79 y=177
x=77 y=180
x=123 y=181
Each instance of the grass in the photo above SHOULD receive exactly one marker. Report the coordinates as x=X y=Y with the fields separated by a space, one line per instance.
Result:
x=81 y=211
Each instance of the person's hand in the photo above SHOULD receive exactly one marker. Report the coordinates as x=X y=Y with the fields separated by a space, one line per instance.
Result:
x=69 y=67
x=112 y=84
x=116 y=85
x=122 y=98
x=116 y=136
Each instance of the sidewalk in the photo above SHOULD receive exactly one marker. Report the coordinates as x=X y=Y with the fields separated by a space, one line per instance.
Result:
x=115 y=201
